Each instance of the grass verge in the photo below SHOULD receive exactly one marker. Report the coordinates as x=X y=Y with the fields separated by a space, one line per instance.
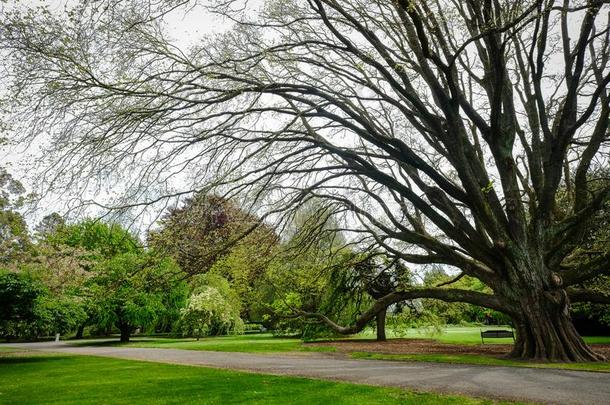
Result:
x=241 y=343
x=480 y=360
x=94 y=380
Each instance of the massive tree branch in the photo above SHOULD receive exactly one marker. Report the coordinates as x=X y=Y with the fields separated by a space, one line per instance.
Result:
x=585 y=295
x=448 y=295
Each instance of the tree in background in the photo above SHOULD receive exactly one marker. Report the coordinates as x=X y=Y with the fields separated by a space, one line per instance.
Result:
x=209 y=233
x=458 y=313
x=68 y=253
x=213 y=308
x=592 y=318
x=29 y=309
x=100 y=239
x=127 y=291
x=50 y=224
x=104 y=268
x=18 y=294
x=314 y=271
x=14 y=234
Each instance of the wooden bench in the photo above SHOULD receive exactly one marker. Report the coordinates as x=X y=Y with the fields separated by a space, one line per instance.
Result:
x=496 y=334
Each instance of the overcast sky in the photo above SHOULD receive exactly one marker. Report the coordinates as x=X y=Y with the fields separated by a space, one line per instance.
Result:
x=185 y=26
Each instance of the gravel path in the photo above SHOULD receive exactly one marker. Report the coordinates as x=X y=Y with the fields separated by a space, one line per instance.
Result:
x=525 y=384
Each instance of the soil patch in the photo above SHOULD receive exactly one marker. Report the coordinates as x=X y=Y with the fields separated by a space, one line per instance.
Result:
x=419 y=346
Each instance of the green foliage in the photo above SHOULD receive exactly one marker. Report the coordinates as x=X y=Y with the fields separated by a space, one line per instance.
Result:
x=593 y=318
x=315 y=273
x=299 y=283
x=50 y=224
x=58 y=315
x=414 y=316
x=244 y=267
x=173 y=297
x=99 y=238
x=129 y=290
x=211 y=234
x=29 y=309
x=212 y=309
x=14 y=235
x=118 y=284
x=94 y=380
x=459 y=313
x=18 y=295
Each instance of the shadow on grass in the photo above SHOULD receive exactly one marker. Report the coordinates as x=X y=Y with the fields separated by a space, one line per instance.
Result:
x=102 y=343
x=30 y=359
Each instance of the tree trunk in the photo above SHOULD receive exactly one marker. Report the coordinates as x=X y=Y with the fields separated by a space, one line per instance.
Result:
x=545 y=331
x=125 y=333
x=380 y=319
x=79 y=332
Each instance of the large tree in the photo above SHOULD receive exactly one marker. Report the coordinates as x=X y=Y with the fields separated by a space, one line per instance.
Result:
x=129 y=291
x=441 y=131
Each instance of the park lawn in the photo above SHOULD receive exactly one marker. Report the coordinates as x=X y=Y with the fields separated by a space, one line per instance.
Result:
x=464 y=335
x=262 y=343
x=94 y=380
x=267 y=343
x=480 y=360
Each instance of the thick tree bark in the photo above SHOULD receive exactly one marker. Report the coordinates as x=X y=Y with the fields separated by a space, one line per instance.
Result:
x=79 y=332
x=545 y=333
x=125 y=333
x=380 y=321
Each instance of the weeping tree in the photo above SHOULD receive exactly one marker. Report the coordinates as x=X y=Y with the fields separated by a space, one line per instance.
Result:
x=443 y=131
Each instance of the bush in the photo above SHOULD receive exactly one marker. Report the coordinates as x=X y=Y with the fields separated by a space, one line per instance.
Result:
x=27 y=309
x=208 y=312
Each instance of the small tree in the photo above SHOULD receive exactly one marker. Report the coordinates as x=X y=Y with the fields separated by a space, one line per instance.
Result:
x=57 y=314
x=212 y=309
x=127 y=291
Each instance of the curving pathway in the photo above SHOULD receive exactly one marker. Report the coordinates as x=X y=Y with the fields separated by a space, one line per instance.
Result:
x=521 y=384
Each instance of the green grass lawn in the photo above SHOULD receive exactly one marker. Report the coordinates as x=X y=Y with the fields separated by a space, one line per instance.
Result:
x=95 y=380
x=267 y=343
x=263 y=343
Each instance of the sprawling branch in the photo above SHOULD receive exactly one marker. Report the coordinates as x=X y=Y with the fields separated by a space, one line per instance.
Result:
x=448 y=295
x=587 y=270
x=584 y=295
